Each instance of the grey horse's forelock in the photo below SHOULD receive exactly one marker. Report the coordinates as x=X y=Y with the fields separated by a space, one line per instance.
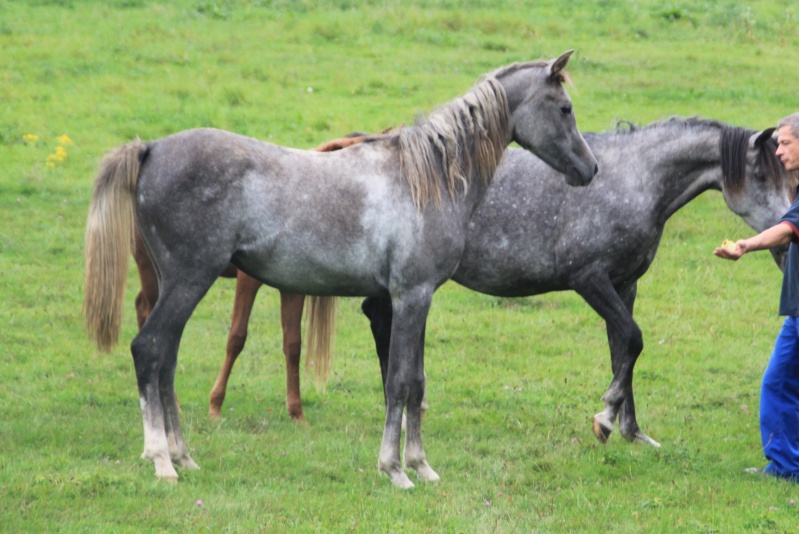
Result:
x=463 y=140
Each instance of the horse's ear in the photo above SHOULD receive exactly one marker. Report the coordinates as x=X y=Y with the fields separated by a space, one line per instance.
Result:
x=559 y=64
x=759 y=138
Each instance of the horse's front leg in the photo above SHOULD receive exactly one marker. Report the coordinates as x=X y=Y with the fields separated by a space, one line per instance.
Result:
x=628 y=425
x=414 y=412
x=405 y=386
x=625 y=339
x=378 y=311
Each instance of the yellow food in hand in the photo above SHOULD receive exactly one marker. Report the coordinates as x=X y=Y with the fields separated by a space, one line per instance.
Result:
x=729 y=245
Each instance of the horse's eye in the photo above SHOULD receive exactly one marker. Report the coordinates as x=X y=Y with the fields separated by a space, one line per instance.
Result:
x=565 y=109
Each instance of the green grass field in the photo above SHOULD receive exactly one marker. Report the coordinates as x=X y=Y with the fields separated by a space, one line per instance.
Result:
x=513 y=384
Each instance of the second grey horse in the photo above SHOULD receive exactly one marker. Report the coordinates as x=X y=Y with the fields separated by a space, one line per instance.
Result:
x=532 y=235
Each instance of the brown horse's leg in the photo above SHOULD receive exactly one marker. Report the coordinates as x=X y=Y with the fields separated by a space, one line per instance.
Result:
x=291 y=305
x=148 y=295
x=246 y=289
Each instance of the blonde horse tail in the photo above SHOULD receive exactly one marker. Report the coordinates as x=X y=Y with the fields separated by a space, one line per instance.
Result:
x=109 y=241
x=321 y=316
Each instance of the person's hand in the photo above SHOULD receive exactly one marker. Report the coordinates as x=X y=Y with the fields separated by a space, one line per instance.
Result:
x=730 y=253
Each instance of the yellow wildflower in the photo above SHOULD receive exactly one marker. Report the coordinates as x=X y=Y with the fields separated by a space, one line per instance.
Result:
x=30 y=139
x=59 y=156
x=64 y=139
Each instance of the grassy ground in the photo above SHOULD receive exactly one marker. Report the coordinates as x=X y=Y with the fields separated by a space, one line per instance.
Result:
x=513 y=384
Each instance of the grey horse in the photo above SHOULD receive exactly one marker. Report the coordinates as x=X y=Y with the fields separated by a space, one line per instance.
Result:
x=531 y=235
x=385 y=218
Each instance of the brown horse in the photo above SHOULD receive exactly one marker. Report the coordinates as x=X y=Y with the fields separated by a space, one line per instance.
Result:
x=321 y=317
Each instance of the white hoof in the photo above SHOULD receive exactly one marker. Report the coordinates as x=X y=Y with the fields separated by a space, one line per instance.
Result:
x=400 y=480
x=427 y=474
x=185 y=462
x=397 y=477
x=164 y=469
x=640 y=437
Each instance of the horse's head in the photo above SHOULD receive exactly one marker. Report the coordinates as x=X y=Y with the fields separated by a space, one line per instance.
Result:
x=757 y=186
x=543 y=120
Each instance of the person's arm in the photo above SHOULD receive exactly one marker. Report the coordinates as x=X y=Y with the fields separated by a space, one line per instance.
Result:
x=775 y=236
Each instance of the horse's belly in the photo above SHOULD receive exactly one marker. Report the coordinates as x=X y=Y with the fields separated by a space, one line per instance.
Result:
x=507 y=278
x=313 y=274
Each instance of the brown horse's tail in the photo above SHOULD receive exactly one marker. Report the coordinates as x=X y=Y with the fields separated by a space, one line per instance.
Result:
x=108 y=243
x=321 y=316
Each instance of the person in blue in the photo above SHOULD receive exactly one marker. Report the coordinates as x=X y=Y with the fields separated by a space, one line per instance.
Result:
x=779 y=393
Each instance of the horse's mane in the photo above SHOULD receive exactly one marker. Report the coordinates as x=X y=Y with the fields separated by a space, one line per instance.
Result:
x=625 y=126
x=462 y=140
x=734 y=144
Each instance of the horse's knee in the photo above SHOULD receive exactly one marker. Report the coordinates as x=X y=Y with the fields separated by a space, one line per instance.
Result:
x=396 y=390
x=636 y=342
x=416 y=390
x=235 y=343
x=292 y=348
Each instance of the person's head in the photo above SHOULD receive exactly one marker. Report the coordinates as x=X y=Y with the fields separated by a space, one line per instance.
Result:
x=788 y=142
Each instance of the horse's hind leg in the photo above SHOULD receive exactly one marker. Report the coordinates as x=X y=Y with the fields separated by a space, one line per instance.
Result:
x=291 y=305
x=246 y=290
x=154 y=352
x=178 y=451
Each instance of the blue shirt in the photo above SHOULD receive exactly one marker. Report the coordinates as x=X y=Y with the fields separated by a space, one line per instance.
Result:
x=789 y=297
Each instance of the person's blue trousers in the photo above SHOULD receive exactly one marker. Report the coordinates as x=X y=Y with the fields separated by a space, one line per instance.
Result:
x=779 y=404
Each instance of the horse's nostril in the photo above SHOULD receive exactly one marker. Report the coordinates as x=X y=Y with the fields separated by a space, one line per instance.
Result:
x=596 y=169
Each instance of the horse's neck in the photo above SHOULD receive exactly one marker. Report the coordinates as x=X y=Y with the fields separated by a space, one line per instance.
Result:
x=684 y=166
